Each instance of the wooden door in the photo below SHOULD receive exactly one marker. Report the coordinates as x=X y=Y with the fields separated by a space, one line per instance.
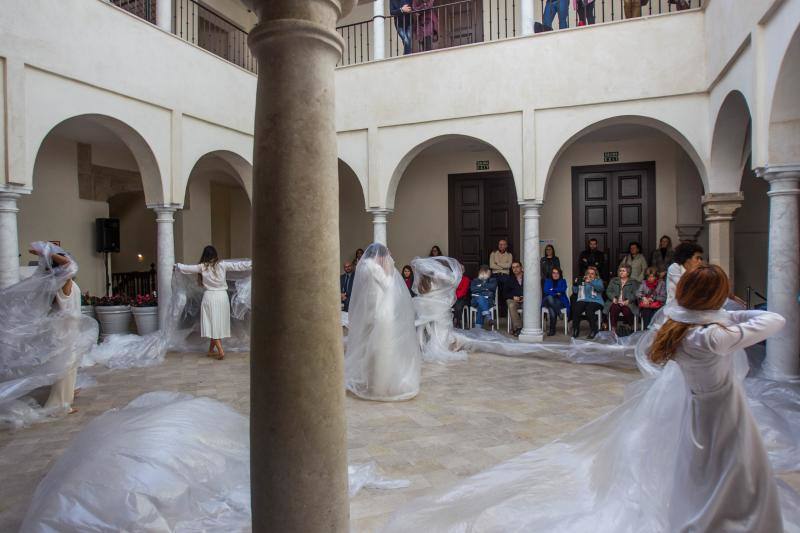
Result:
x=614 y=204
x=482 y=210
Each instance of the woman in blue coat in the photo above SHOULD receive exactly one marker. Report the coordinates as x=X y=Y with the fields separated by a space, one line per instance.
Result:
x=555 y=297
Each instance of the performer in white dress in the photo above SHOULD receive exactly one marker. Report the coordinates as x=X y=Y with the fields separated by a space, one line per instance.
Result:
x=681 y=454
x=382 y=359
x=688 y=256
x=215 y=312
x=435 y=282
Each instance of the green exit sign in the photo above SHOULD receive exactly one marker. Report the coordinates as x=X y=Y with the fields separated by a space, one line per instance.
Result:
x=610 y=157
x=482 y=165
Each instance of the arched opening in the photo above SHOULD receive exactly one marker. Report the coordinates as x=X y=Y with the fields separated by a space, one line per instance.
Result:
x=89 y=167
x=355 y=224
x=216 y=209
x=456 y=192
x=784 y=126
x=621 y=181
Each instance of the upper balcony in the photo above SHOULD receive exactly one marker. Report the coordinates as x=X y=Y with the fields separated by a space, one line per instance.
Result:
x=375 y=31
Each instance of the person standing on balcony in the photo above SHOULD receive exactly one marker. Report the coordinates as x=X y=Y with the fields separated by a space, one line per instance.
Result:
x=401 y=11
x=585 y=11
x=426 y=23
x=557 y=6
x=633 y=8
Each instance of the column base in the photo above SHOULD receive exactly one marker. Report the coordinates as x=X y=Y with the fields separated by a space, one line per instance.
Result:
x=531 y=335
x=778 y=376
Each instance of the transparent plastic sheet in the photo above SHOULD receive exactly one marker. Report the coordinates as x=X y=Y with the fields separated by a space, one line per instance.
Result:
x=181 y=330
x=382 y=359
x=39 y=344
x=435 y=282
x=165 y=462
x=614 y=474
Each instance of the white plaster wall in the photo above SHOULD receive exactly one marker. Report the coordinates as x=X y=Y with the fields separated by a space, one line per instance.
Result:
x=193 y=222
x=751 y=237
x=241 y=223
x=137 y=233
x=355 y=224
x=420 y=218
x=55 y=212
x=235 y=11
x=556 y=216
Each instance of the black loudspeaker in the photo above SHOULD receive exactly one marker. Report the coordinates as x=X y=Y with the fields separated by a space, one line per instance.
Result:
x=107 y=231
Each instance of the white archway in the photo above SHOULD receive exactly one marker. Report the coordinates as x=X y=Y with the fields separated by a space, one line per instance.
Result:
x=730 y=141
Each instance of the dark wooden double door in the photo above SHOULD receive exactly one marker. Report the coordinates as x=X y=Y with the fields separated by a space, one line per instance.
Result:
x=614 y=204
x=483 y=209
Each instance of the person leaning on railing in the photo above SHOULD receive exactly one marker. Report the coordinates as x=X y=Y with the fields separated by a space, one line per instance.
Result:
x=400 y=10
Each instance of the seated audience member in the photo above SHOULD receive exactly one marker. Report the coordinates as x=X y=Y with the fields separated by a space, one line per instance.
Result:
x=662 y=257
x=513 y=296
x=592 y=257
x=346 y=284
x=462 y=298
x=555 y=298
x=688 y=256
x=408 y=277
x=435 y=251
x=548 y=262
x=483 y=290
x=357 y=257
x=652 y=295
x=621 y=298
x=500 y=260
x=636 y=261
x=589 y=300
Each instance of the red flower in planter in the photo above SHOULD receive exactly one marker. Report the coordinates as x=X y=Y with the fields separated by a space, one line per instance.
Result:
x=145 y=300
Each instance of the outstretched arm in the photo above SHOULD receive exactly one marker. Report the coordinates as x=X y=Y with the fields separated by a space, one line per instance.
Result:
x=751 y=327
x=188 y=269
x=237 y=266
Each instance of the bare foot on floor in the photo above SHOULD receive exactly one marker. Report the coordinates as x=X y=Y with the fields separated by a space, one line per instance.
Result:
x=72 y=411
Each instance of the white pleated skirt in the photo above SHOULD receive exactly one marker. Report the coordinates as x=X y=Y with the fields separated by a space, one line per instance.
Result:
x=215 y=315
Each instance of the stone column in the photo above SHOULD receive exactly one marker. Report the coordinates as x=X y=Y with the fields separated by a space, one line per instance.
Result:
x=378 y=29
x=298 y=458
x=688 y=232
x=9 y=238
x=165 y=220
x=783 y=269
x=719 y=209
x=526 y=14
x=532 y=288
x=164 y=15
x=379 y=222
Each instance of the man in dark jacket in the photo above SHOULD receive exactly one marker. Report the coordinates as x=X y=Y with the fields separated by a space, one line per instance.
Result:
x=346 y=285
x=592 y=257
x=401 y=11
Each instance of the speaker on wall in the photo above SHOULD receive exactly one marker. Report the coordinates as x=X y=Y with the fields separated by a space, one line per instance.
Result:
x=107 y=232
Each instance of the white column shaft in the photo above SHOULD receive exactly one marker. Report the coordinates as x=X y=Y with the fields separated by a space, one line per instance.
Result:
x=164 y=15
x=783 y=273
x=379 y=226
x=378 y=30
x=526 y=12
x=165 y=220
x=532 y=288
x=9 y=239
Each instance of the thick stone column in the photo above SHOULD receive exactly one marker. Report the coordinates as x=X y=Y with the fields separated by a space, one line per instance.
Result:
x=165 y=220
x=9 y=237
x=719 y=209
x=532 y=288
x=298 y=455
x=378 y=29
x=379 y=223
x=526 y=14
x=783 y=269
x=164 y=15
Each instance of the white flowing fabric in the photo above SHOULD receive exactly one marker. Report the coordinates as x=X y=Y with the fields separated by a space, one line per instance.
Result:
x=165 y=462
x=435 y=282
x=39 y=343
x=181 y=332
x=682 y=453
x=382 y=359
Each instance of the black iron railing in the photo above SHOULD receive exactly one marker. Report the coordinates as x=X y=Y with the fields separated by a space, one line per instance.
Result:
x=458 y=22
x=199 y=25
x=132 y=284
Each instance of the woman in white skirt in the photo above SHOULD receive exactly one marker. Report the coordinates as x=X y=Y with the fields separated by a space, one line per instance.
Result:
x=215 y=312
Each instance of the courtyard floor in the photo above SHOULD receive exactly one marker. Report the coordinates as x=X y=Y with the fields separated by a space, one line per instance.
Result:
x=468 y=416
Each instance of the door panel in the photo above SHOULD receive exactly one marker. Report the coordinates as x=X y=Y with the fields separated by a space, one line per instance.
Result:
x=613 y=204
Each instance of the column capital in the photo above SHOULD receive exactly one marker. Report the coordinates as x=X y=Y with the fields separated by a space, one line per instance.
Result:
x=14 y=191
x=531 y=207
x=784 y=180
x=379 y=211
x=688 y=232
x=165 y=213
x=719 y=207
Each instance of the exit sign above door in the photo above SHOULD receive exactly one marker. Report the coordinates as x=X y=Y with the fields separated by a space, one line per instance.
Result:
x=610 y=157
x=482 y=165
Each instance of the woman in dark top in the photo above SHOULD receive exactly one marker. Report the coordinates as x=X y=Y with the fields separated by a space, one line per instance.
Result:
x=408 y=277
x=548 y=262
x=663 y=256
x=435 y=251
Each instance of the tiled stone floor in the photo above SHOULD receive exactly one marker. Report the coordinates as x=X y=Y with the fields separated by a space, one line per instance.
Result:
x=468 y=416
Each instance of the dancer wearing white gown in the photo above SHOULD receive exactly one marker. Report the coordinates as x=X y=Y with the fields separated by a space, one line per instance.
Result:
x=215 y=312
x=682 y=453
x=382 y=359
x=435 y=282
